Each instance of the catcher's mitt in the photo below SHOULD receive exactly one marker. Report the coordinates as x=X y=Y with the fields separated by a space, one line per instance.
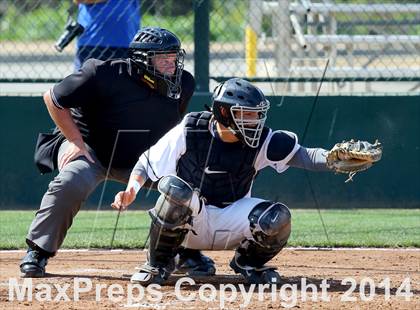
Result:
x=352 y=156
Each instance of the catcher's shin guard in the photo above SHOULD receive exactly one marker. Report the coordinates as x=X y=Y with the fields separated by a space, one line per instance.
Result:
x=164 y=243
x=270 y=228
x=171 y=221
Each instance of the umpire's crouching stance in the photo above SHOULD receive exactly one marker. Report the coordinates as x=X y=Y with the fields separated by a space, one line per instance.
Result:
x=208 y=163
x=107 y=114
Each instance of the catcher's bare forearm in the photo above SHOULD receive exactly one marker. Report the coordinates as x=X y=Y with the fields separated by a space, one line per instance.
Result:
x=63 y=119
x=310 y=159
x=124 y=198
x=140 y=171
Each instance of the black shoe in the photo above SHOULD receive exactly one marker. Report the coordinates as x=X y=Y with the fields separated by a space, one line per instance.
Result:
x=194 y=263
x=254 y=275
x=33 y=264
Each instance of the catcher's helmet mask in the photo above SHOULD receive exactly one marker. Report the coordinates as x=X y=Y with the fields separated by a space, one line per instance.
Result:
x=150 y=42
x=247 y=108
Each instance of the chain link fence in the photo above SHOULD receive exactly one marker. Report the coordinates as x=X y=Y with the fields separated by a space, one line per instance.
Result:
x=282 y=44
x=368 y=45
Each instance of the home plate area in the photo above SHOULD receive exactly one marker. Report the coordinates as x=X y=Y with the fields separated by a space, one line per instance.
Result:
x=311 y=279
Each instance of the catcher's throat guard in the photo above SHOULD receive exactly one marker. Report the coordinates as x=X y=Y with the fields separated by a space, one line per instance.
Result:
x=350 y=157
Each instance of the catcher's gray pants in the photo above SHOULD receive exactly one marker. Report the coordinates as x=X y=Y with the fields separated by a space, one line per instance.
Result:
x=64 y=196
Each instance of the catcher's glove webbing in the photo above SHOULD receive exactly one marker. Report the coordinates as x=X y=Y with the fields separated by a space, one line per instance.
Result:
x=352 y=156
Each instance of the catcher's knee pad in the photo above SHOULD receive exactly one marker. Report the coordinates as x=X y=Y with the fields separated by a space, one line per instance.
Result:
x=171 y=218
x=177 y=203
x=270 y=227
x=270 y=224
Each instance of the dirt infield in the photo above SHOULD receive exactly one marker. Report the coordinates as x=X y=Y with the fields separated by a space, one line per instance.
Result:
x=378 y=274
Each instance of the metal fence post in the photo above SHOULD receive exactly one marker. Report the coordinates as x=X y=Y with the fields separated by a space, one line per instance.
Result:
x=201 y=44
x=252 y=31
x=282 y=31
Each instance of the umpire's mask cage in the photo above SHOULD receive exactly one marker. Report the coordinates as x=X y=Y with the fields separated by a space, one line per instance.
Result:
x=172 y=80
x=250 y=121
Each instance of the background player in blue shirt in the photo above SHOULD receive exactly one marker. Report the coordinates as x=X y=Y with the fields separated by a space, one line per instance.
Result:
x=110 y=26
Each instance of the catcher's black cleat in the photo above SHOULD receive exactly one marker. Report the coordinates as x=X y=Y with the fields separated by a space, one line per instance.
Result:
x=33 y=264
x=254 y=275
x=194 y=263
x=148 y=274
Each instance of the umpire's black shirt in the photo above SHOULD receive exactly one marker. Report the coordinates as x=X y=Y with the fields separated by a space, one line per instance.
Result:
x=113 y=108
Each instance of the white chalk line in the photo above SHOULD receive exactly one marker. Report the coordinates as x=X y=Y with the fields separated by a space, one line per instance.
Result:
x=288 y=248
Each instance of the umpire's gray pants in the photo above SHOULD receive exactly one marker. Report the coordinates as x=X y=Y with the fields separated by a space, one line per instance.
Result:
x=65 y=194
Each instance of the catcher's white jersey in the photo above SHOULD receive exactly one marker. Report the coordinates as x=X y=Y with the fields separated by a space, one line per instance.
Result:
x=214 y=228
x=161 y=159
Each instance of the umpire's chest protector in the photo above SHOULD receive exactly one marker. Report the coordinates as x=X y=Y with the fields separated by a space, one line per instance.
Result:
x=222 y=171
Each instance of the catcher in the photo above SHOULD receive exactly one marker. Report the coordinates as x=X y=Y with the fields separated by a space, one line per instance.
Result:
x=207 y=165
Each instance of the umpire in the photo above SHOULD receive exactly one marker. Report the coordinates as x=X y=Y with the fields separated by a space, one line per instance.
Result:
x=107 y=114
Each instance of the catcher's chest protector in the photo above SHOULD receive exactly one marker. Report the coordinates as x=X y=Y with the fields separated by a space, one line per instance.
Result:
x=224 y=170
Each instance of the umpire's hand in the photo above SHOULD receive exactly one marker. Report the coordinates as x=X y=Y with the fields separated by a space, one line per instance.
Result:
x=124 y=198
x=75 y=149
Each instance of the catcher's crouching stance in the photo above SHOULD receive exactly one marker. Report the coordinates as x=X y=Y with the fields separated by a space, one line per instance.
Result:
x=206 y=166
x=172 y=222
